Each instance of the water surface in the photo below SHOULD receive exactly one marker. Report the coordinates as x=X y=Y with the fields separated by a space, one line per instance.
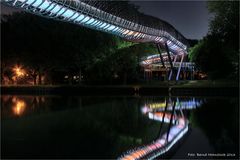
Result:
x=107 y=127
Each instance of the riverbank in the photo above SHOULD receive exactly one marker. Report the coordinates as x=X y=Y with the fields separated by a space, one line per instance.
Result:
x=181 y=88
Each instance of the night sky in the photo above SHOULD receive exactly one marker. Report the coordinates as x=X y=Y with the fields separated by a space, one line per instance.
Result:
x=189 y=17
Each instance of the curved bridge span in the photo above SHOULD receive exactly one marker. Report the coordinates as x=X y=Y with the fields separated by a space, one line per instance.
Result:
x=99 y=15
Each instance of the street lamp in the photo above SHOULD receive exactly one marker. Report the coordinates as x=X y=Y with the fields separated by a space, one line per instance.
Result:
x=19 y=72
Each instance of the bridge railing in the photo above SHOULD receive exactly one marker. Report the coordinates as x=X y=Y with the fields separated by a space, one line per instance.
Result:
x=127 y=29
x=159 y=66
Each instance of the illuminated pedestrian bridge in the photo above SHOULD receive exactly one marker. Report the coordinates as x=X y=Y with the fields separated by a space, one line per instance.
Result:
x=111 y=18
x=98 y=15
x=160 y=64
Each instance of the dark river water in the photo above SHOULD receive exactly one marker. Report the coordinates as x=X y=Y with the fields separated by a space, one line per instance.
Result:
x=113 y=127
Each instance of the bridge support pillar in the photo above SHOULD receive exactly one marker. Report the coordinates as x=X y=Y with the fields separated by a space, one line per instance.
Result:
x=161 y=57
x=170 y=61
x=173 y=69
x=179 y=68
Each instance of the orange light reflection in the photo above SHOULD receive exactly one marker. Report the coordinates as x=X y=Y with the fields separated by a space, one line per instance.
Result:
x=19 y=107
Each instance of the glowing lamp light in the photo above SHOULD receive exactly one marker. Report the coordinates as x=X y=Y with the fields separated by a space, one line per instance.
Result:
x=145 y=109
x=157 y=105
x=19 y=72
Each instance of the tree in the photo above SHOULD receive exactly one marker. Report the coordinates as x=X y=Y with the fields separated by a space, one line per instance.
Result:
x=218 y=53
x=225 y=25
x=44 y=45
x=128 y=60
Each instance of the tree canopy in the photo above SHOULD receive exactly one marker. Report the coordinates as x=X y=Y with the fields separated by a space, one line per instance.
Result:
x=218 y=52
x=45 y=46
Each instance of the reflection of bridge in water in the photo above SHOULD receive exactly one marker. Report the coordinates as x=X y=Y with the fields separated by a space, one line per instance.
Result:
x=114 y=19
x=177 y=128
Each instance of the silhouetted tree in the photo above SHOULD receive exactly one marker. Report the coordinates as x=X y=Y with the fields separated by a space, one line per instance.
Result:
x=218 y=53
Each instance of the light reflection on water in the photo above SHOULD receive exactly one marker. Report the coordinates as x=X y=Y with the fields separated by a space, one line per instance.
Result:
x=178 y=127
x=18 y=106
x=109 y=127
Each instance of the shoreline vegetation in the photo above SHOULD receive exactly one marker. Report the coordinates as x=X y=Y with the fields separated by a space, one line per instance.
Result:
x=173 y=88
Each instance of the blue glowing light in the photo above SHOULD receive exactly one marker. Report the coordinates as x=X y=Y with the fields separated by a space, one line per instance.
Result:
x=85 y=19
x=81 y=17
x=53 y=8
x=90 y=21
x=103 y=25
x=68 y=13
x=111 y=28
